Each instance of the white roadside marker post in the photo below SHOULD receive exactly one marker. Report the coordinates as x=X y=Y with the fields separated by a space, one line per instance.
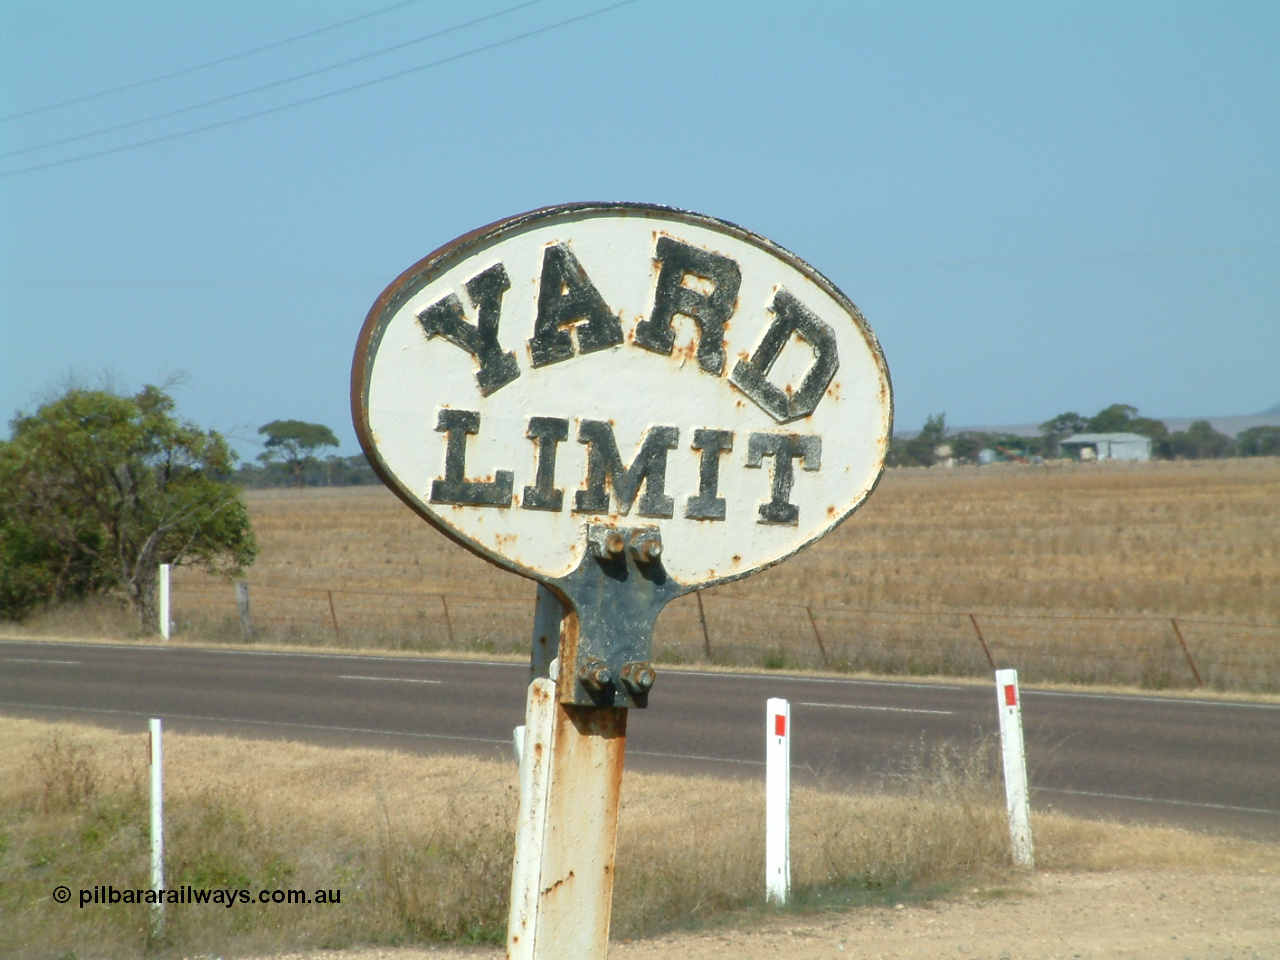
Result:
x=517 y=742
x=1017 y=796
x=157 y=827
x=164 y=600
x=777 y=801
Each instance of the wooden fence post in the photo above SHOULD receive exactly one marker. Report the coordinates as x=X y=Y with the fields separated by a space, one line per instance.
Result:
x=1191 y=663
x=242 y=607
x=817 y=636
x=978 y=630
x=333 y=615
x=706 y=637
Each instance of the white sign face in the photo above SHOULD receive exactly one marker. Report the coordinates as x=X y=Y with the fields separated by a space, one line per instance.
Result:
x=629 y=365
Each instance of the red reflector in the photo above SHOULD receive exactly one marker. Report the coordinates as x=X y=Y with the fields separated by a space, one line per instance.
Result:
x=1010 y=695
x=779 y=724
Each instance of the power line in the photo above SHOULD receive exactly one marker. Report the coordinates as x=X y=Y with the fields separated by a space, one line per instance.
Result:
x=322 y=96
x=268 y=86
x=204 y=66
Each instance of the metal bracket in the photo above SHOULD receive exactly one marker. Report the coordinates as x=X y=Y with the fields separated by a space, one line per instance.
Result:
x=617 y=591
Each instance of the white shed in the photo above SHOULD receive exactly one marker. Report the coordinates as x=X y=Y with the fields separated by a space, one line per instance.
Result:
x=1111 y=446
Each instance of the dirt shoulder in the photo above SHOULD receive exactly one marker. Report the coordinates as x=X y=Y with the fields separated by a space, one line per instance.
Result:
x=1091 y=916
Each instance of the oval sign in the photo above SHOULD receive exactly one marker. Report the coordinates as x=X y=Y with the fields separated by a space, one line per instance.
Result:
x=629 y=365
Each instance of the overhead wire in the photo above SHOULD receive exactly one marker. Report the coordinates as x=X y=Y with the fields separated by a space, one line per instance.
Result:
x=205 y=66
x=268 y=86
x=321 y=96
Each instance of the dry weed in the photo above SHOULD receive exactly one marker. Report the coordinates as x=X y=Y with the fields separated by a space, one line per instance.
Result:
x=420 y=847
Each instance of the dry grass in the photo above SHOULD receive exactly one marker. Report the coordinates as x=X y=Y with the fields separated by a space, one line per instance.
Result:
x=1024 y=549
x=420 y=847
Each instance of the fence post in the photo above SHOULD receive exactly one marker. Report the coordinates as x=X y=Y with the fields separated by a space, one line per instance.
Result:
x=333 y=616
x=1191 y=663
x=165 y=627
x=777 y=801
x=242 y=607
x=706 y=637
x=448 y=623
x=157 y=826
x=1017 y=797
x=978 y=630
x=817 y=636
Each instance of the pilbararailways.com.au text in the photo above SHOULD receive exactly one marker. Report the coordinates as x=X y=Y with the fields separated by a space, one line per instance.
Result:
x=106 y=895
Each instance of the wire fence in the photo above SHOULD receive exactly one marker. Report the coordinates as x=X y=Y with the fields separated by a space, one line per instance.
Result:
x=1151 y=652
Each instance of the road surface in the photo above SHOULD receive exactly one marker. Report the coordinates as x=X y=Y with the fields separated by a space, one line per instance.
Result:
x=1207 y=764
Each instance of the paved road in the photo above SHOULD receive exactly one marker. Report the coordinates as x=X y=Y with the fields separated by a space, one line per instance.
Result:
x=1207 y=764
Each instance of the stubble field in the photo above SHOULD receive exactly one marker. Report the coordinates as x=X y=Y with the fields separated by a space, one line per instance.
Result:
x=1069 y=572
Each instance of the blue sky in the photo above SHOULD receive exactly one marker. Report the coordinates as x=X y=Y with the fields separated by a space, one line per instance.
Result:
x=1038 y=207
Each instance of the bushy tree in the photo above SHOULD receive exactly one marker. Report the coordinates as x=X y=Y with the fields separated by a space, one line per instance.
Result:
x=1198 y=442
x=1058 y=429
x=97 y=490
x=918 y=451
x=1122 y=418
x=1259 y=442
x=295 y=442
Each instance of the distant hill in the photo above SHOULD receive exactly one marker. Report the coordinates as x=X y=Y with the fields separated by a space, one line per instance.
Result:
x=1273 y=412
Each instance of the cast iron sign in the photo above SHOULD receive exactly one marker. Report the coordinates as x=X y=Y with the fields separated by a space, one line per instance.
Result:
x=622 y=384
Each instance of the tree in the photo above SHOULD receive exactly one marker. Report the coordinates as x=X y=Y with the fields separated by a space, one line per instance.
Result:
x=1259 y=442
x=1198 y=442
x=1059 y=428
x=1122 y=418
x=296 y=443
x=965 y=447
x=97 y=490
x=918 y=451
x=1113 y=419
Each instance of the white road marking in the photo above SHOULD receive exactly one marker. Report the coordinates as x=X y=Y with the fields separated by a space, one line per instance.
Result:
x=345 y=676
x=860 y=706
x=1178 y=803
x=26 y=660
x=506 y=742
x=1140 y=699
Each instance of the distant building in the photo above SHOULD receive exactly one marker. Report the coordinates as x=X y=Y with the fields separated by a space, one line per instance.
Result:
x=1108 y=446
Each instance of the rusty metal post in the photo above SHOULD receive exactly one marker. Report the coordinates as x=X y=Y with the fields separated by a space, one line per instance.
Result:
x=706 y=637
x=571 y=782
x=817 y=636
x=547 y=614
x=982 y=640
x=1191 y=663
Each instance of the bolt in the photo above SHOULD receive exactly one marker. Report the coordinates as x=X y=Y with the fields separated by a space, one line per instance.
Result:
x=638 y=677
x=612 y=544
x=594 y=674
x=650 y=551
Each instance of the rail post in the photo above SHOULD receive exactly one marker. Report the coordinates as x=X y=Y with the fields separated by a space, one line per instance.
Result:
x=566 y=834
x=1017 y=796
